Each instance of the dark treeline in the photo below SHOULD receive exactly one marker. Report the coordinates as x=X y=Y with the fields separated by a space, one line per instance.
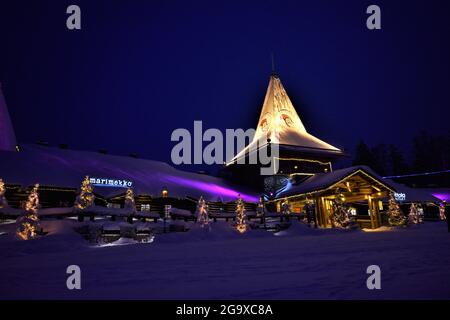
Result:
x=429 y=153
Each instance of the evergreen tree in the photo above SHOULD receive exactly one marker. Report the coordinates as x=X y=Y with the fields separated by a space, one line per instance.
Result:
x=241 y=217
x=380 y=160
x=442 y=211
x=397 y=162
x=3 y=202
x=29 y=221
x=86 y=197
x=363 y=155
x=129 y=201
x=413 y=217
x=420 y=213
x=431 y=153
x=395 y=215
x=339 y=216
x=202 y=212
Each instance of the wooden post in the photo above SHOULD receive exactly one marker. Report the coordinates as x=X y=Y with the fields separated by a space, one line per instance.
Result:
x=318 y=214
x=371 y=213
x=379 y=213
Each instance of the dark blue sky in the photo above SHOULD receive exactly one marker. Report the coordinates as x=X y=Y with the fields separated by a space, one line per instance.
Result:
x=139 y=69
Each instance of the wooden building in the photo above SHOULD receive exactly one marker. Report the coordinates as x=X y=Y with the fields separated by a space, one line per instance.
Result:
x=361 y=189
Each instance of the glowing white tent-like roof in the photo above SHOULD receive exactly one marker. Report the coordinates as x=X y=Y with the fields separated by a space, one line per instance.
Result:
x=280 y=123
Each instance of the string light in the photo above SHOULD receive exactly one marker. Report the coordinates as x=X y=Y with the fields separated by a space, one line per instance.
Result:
x=202 y=212
x=86 y=197
x=241 y=217
x=29 y=222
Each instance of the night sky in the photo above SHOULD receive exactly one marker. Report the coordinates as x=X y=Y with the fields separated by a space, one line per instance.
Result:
x=140 y=69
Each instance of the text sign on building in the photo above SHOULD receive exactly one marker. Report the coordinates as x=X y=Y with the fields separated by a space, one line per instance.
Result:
x=115 y=183
x=400 y=196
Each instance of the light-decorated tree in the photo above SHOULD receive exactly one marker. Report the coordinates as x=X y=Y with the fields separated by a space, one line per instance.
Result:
x=442 y=211
x=395 y=215
x=129 y=202
x=202 y=212
x=3 y=202
x=339 y=216
x=29 y=221
x=420 y=213
x=86 y=197
x=413 y=216
x=241 y=217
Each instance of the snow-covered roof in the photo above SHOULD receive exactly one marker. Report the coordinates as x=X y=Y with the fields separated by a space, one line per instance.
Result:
x=322 y=181
x=413 y=194
x=67 y=168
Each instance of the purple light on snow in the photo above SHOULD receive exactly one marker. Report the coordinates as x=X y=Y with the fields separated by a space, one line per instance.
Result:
x=212 y=188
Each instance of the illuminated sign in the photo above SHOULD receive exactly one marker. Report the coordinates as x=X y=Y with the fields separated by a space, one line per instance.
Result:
x=400 y=196
x=115 y=183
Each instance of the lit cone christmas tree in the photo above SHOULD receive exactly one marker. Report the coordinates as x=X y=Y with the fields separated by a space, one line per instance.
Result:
x=29 y=221
x=130 y=204
x=86 y=197
x=3 y=202
x=395 y=215
x=413 y=217
x=420 y=213
x=202 y=212
x=442 y=211
x=339 y=217
x=241 y=217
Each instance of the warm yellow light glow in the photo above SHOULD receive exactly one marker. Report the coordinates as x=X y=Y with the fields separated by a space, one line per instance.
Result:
x=27 y=231
x=301 y=159
x=334 y=185
x=86 y=197
x=28 y=222
x=241 y=228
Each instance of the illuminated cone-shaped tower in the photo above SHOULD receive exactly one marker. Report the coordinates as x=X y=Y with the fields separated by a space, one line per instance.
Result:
x=294 y=152
x=7 y=136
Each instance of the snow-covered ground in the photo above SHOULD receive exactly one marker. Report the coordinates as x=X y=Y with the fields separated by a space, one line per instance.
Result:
x=297 y=263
